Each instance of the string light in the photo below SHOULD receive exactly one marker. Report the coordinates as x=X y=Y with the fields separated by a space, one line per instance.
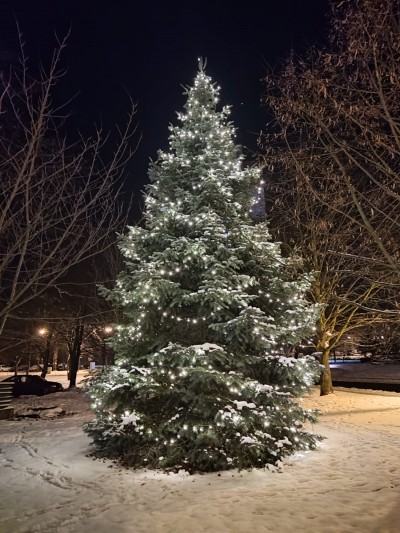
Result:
x=185 y=280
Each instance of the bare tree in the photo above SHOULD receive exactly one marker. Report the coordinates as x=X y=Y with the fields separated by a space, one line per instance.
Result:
x=87 y=316
x=382 y=342
x=348 y=298
x=338 y=112
x=59 y=199
x=333 y=150
x=73 y=318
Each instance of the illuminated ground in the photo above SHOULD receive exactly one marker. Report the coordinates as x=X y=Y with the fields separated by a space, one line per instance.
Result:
x=351 y=484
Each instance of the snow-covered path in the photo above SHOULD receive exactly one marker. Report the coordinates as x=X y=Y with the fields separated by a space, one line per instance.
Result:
x=351 y=484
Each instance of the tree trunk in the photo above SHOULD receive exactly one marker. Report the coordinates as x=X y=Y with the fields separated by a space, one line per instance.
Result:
x=326 y=386
x=75 y=354
x=16 y=364
x=55 y=357
x=46 y=359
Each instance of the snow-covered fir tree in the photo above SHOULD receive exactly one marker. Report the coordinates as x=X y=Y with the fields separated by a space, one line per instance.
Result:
x=201 y=381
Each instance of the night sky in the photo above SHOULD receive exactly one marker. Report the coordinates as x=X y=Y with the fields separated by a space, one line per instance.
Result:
x=148 y=49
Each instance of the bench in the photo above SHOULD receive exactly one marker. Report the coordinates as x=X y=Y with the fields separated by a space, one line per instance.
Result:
x=6 y=389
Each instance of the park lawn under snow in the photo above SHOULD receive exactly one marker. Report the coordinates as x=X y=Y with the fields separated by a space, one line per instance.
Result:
x=49 y=484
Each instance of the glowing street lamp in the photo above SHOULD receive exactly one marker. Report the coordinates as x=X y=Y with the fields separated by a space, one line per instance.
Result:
x=107 y=330
x=46 y=354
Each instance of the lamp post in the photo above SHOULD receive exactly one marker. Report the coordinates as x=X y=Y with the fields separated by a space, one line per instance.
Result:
x=107 y=330
x=44 y=332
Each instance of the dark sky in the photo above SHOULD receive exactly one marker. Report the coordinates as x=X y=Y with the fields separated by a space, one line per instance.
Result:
x=150 y=48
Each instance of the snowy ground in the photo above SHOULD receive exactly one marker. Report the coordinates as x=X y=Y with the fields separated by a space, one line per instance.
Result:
x=48 y=484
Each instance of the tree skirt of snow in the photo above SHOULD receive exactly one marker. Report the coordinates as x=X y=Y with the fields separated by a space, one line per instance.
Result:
x=49 y=484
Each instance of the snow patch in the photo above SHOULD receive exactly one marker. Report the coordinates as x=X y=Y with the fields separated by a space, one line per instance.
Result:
x=207 y=346
x=50 y=484
x=242 y=404
x=132 y=419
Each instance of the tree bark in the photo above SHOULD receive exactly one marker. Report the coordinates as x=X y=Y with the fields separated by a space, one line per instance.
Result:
x=75 y=354
x=46 y=358
x=326 y=386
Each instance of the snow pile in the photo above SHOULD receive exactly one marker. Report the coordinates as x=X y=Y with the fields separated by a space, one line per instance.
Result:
x=40 y=412
x=50 y=484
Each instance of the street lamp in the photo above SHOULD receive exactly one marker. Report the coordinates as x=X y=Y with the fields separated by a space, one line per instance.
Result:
x=44 y=332
x=107 y=330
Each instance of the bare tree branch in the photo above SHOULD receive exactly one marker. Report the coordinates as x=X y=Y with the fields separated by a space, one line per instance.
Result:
x=59 y=198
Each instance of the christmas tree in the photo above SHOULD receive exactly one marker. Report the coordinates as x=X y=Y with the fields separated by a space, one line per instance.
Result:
x=201 y=381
